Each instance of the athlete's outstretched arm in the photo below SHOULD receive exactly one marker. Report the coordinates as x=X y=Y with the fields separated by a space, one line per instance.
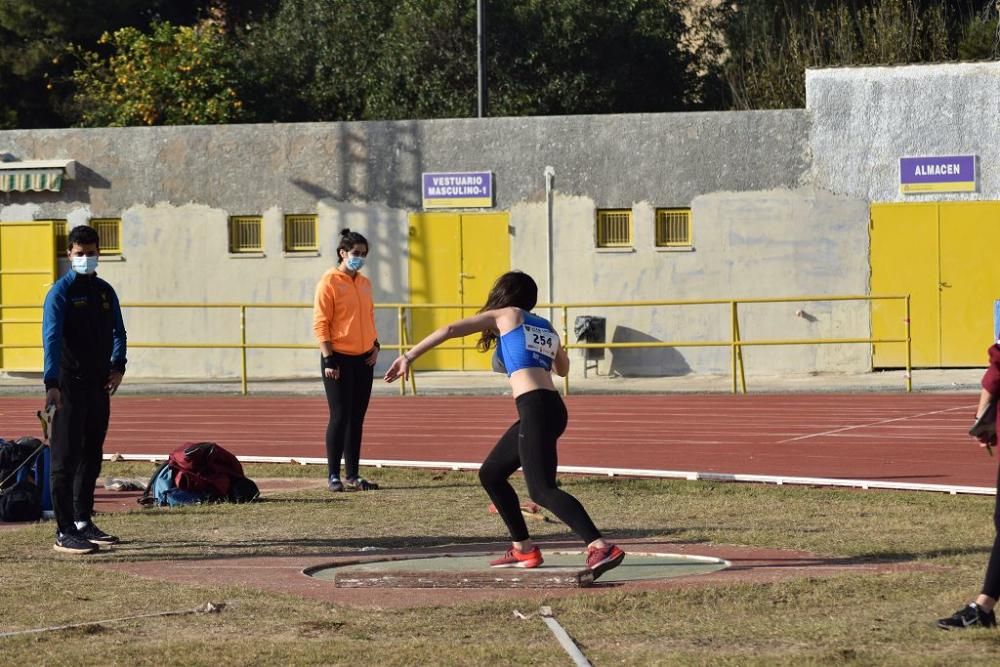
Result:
x=470 y=325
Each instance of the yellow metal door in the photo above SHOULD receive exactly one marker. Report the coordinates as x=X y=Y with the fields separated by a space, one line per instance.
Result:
x=434 y=267
x=970 y=280
x=485 y=255
x=904 y=260
x=27 y=270
x=454 y=259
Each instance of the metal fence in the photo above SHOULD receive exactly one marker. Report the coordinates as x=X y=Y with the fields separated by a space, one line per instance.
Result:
x=404 y=341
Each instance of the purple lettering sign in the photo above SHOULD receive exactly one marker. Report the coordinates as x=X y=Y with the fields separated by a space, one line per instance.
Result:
x=462 y=189
x=948 y=173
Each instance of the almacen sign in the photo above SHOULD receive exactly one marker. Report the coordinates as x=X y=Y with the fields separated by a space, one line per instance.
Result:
x=948 y=173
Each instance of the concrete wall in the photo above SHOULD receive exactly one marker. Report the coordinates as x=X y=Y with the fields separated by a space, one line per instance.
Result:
x=745 y=174
x=864 y=119
x=779 y=203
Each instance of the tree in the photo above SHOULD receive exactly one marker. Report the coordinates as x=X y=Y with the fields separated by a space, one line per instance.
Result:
x=312 y=60
x=171 y=76
x=545 y=57
x=35 y=34
x=980 y=39
x=771 y=47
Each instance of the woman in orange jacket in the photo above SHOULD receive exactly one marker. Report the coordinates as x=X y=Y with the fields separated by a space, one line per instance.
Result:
x=344 y=324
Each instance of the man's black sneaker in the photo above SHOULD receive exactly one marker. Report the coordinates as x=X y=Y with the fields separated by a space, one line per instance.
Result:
x=969 y=616
x=72 y=543
x=360 y=484
x=92 y=533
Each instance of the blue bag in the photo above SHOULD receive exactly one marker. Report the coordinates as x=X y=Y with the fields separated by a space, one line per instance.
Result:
x=162 y=490
x=177 y=496
x=161 y=482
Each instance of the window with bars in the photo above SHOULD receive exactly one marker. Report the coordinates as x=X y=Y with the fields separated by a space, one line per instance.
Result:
x=673 y=227
x=300 y=233
x=614 y=228
x=62 y=232
x=109 y=230
x=245 y=234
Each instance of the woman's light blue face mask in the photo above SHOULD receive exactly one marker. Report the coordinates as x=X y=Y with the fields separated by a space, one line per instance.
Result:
x=354 y=258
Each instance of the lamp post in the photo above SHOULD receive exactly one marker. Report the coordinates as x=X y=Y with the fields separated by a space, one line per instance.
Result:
x=550 y=175
x=480 y=55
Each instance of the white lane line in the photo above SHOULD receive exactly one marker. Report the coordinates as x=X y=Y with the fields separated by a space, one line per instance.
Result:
x=878 y=423
x=690 y=475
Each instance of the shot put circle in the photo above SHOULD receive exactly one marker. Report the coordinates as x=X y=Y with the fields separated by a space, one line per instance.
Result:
x=561 y=569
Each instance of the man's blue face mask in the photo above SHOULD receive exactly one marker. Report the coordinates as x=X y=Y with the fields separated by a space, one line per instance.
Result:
x=84 y=264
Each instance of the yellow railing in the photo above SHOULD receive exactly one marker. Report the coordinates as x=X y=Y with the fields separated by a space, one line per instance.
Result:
x=735 y=342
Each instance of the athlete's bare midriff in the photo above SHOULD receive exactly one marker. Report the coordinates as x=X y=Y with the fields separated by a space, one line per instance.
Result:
x=530 y=379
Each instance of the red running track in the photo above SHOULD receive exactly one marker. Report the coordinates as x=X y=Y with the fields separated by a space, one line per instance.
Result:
x=918 y=438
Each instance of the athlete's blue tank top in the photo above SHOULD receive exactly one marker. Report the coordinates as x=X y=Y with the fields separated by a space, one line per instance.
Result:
x=531 y=345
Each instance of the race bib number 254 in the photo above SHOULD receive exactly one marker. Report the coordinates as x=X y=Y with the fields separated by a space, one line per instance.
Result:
x=541 y=341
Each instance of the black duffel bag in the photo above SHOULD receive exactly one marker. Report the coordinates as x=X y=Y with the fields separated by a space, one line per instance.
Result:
x=21 y=501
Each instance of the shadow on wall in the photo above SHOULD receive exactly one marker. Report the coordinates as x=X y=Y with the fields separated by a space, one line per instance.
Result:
x=381 y=165
x=645 y=362
x=77 y=189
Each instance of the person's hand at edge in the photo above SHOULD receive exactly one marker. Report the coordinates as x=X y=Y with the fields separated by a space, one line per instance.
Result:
x=400 y=368
x=53 y=397
x=114 y=380
x=330 y=368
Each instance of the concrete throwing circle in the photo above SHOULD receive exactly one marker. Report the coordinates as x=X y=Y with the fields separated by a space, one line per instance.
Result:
x=561 y=569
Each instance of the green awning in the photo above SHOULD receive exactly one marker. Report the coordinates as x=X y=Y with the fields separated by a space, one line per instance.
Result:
x=35 y=175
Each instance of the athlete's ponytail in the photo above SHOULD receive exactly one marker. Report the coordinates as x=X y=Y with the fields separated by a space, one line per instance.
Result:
x=514 y=288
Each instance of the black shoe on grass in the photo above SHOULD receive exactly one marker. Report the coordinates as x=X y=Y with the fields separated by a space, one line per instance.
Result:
x=361 y=484
x=72 y=543
x=92 y=533
x=969 y=616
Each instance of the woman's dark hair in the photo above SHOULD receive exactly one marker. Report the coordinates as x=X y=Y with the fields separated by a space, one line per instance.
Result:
x=82 y=235
x=348 y=240
x=514 y=288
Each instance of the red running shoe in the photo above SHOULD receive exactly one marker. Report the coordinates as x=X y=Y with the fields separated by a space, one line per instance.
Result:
x=517 y=558
x=601 y=560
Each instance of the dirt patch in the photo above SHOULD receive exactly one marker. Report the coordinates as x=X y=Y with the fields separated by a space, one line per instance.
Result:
x=285 y=574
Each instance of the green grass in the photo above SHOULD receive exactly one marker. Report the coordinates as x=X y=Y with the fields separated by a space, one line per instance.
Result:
x=847 y=619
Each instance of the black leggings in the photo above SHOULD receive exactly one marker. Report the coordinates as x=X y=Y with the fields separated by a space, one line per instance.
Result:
x=530 y=444
x=991 y=585
x=347 y=399
x=78 y=431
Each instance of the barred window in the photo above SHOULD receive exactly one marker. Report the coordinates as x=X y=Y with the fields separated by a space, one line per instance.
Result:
x=300 y=233
x=62 y=232
x=110 y=232
x=614 y=228
x=673 y=227
x=245 y=234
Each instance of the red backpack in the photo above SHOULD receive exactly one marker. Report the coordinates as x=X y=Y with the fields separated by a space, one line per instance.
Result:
x=205 y=467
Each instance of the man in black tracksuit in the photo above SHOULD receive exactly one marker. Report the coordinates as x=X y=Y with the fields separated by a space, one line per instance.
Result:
x=84 y=342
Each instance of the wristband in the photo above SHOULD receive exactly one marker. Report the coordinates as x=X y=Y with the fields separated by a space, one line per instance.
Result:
x=408 y=360
x=329 y=362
